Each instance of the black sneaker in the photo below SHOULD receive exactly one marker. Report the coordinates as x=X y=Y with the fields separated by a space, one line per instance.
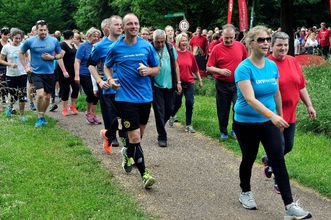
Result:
x=162 y=143
x=53 y=107
x=267 y=170
x=32 y=107
x=115 y=143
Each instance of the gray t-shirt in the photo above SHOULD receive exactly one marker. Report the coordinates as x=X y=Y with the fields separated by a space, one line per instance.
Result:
x=11 y=52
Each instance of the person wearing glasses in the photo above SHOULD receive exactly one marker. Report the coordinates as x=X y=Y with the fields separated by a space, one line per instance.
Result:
x=258 y=118
x=44 y=49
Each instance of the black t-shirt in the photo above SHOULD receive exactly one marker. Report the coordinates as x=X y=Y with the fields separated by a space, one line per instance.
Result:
x=2 y=67
x=68 y=58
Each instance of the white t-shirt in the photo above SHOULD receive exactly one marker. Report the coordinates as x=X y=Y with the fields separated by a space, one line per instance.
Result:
x=312 y=43
x=11 y=52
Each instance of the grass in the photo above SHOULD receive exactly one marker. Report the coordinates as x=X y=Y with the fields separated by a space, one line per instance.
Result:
x=49 y=174
x=308 y=162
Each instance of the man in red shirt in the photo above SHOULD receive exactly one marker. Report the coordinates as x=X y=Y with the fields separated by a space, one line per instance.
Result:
x=324 y=39
x=223 y=60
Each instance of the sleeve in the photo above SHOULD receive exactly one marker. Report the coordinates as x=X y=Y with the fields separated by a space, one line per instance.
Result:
x=94 y=57
x=195 y=67
x=25 y=46
x=153 y=59
x=58 y=48
x=242 y=73
x=302 y=77
x=109 y=61
x=80 y=52
x=212 y=58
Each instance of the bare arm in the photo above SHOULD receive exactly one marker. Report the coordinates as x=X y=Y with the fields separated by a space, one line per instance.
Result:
x=5 y=63
x=23 y=61
x=76 y=67
x=246 y=89
x=179 y=83
x=278 y=100
x=224 y=72
x=94 y=73
x=197 y=74
x=62 y=67
x=304 y=96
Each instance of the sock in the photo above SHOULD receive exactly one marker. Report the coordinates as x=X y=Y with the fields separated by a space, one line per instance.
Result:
x=135 y=151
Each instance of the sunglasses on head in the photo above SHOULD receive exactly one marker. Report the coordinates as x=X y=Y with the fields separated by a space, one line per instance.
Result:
x=263 y=39
x=41 y=22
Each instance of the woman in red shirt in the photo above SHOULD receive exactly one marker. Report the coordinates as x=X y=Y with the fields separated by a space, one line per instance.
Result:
x=187 y=67
x=292 y=85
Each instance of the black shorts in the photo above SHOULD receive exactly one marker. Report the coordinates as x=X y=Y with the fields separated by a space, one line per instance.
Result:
x=134 y=114
x=44 y=81
x=17 y=86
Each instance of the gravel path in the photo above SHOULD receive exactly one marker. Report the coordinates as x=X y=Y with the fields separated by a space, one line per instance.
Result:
x=197 y=177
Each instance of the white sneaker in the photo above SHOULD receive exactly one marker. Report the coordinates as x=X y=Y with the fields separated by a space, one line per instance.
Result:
x=189 y=129
x=247 y=200
x=293 y=212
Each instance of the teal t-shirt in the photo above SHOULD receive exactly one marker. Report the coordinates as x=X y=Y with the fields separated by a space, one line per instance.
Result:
x=264 y=83
x=164 y=79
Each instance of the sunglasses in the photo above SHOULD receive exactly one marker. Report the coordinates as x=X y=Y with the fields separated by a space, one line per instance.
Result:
x=41 y=22
x=261 y=40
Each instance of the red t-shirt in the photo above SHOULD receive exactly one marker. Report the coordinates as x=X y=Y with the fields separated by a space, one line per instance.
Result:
x=212 y=45
x=227 y=57
x=323 y=37
x=187 y=66
x=200 y=41
x=291 y=81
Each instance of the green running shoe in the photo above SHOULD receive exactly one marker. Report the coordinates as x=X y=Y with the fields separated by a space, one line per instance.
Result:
x=127 y=161
x=148 y=180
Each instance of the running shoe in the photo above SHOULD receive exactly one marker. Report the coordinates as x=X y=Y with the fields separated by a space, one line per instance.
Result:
x=276 y=189
x=189 y=129
x=114 y=142
x=148 y=180
x=89 y=118
x=65 y=112
x=233 y=134
x=267 y=170
x=96 y=120
x=127 y=162
x=8 y=112
x=39 y=123
x=53 y=107
x=13 y=111
x=247 y=200
x=223 y=136
x=171 y=121
x=23 y=118
x=294 y=211
x=43 y=119
x=106 y=146
x=32 y=106
x=73 y=109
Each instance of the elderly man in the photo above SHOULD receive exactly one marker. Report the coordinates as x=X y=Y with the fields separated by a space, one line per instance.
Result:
x=222 y=62
x=135 y=62
x=42 y=49
x=165 y=84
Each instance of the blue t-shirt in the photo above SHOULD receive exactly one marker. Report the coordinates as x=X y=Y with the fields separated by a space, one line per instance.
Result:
x=264 y=83
x=98 y=55
x=38 y=47
x=134 y=87
x=83 y=54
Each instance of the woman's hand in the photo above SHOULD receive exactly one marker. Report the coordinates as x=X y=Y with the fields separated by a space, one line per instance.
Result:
x=278 y=121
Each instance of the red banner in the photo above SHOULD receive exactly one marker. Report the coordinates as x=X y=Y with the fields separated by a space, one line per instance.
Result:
x=330 y=6
x=243 y=15
x=230 y=9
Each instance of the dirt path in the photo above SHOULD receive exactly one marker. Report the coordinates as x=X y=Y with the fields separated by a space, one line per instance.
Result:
x=197 y=178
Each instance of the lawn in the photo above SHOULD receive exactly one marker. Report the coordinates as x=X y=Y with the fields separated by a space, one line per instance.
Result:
x=49 y=174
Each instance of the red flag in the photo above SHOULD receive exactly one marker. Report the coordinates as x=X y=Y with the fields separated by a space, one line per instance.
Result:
x=330 y=6
x=230 y=9
x=243 y=15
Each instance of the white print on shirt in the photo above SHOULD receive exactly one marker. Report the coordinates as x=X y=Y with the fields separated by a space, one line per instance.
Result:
x=262 y=81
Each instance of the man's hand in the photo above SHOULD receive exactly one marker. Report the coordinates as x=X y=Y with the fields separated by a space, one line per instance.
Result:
x=104 y=85
x=114 y=85
x=225 y=72
x=47 y=56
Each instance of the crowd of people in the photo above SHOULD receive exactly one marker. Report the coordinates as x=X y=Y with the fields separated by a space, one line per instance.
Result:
x=132 y=69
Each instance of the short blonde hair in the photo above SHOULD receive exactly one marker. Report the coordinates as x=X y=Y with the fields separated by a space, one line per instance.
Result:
x=91 y=31
x=179 y=38
x=252 y=33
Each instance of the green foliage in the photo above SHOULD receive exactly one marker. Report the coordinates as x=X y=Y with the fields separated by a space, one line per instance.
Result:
x=319 y=88
x=49 y=174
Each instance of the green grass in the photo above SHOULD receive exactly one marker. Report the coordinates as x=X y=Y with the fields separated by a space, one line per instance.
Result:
x=308 y=162
x=49 y=174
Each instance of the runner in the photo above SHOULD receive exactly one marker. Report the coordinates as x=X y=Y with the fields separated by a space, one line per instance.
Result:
x=136 y=61
x=42 y=47
x=15 y=74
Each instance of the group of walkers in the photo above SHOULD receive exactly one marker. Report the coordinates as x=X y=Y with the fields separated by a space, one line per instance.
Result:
x=130 y=74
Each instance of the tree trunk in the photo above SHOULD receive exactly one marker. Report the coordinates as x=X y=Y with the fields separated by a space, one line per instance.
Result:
x=286 y=22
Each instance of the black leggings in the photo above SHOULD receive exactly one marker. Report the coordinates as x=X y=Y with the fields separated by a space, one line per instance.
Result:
x=249 y=136
x=86 y=83
x=65 y=84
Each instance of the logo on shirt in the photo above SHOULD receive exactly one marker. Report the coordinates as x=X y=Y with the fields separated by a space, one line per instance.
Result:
x=126 y=124
x=263 y=81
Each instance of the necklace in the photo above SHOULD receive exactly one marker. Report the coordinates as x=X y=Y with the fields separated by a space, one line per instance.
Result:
x=160 y=56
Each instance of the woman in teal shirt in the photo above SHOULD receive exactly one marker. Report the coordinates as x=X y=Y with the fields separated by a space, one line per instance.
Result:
x=258 y=118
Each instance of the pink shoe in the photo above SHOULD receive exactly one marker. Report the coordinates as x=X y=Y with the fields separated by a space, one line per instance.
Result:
x=89 y=118
x=65 y=112
x=96 y=120
x=73 y=109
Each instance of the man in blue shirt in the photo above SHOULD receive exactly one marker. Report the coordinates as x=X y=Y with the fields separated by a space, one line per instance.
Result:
x=109 y=109
x=44 y=49
x=136 y=62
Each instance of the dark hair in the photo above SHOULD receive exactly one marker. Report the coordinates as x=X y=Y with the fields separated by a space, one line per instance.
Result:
x=67 y=34
x=4 y=30
x=41 y=23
